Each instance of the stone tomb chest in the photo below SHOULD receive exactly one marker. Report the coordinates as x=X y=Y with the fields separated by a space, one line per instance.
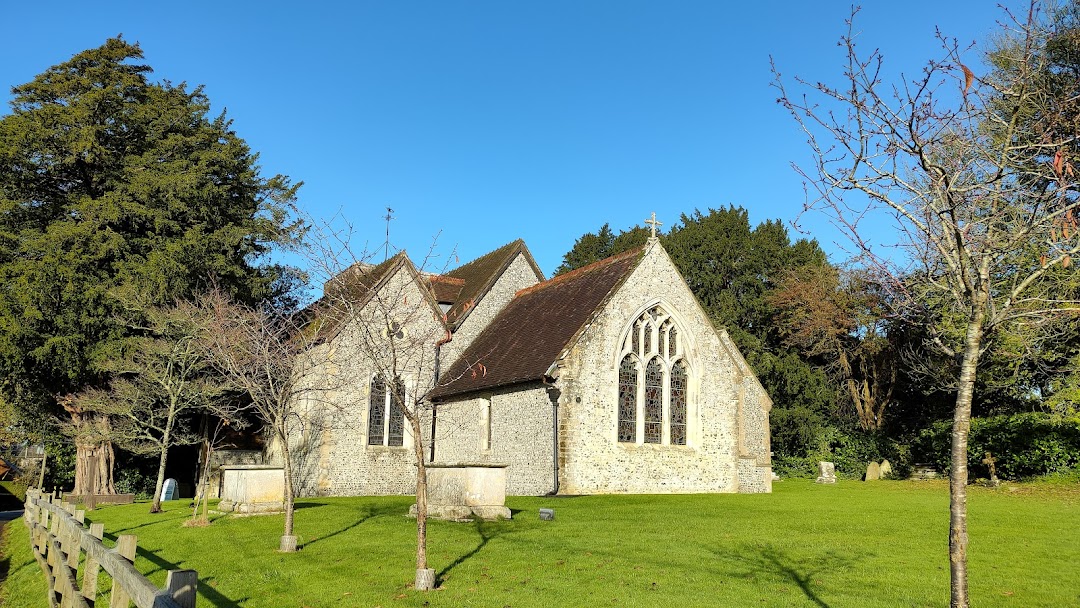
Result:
x=460 y=491
x=252 y=488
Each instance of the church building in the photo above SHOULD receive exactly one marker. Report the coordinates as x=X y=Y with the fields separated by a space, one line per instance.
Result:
x=607 y=379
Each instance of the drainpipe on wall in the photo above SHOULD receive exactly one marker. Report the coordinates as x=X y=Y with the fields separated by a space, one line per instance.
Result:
x=553 y=394
x=434 y=383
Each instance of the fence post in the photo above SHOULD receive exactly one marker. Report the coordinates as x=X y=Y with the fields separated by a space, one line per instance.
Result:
x=125 y=546
x=182 y=586
x=90 y=572
x=74 y=545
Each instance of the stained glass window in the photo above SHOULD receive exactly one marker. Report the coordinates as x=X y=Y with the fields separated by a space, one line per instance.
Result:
x=648 y=339
x=678 y=403
x=654 y=401
x=376 y=411
x=673 y=336
x=635 y=334
x=628 y=379
x=396 y=436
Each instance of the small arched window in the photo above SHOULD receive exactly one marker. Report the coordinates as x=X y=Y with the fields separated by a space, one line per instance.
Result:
x=655 y=391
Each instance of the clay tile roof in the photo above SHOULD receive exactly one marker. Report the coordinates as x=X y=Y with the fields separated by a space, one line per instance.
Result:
x=479 y=275
x=356 y=283
x=529 y=335
x=446 y=289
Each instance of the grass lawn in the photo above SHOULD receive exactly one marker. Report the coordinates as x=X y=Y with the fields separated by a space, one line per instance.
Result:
x=853 y=544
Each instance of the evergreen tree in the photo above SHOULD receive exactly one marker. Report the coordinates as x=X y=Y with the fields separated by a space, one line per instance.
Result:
x=111 y=184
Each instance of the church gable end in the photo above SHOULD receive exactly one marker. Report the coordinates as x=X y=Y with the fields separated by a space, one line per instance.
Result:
x=653 y=400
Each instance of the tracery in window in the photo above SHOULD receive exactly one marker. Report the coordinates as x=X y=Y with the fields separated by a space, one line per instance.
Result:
x=628 y=381
x=653 y=395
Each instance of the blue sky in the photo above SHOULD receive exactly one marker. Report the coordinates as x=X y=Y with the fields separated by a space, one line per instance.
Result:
x=482 y=122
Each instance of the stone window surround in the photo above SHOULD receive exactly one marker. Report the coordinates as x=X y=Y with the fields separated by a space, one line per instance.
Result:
x=407 y=439
x=659 y=347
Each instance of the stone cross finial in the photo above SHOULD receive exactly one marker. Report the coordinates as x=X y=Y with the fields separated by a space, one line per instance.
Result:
x=652 y=226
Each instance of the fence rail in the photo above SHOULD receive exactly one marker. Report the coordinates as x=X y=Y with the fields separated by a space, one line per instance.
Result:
x=60 y=541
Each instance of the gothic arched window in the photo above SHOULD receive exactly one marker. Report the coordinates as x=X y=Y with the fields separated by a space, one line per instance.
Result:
x=655 y=393
x=386 y=416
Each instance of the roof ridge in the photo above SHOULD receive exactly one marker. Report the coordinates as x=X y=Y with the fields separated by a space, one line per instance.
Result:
x=507 y=246
x=577 y=272
x=442 y=278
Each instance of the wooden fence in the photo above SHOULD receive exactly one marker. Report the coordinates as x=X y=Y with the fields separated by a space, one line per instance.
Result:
x=69 y=552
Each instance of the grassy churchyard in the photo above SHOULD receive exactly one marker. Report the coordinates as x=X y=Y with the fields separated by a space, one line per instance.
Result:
x=854 y=544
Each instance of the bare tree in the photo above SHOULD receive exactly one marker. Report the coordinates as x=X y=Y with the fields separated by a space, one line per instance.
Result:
x=223 y=417
x=977 y=172
x=393 y=328
x=272 y=356
x=159 y=383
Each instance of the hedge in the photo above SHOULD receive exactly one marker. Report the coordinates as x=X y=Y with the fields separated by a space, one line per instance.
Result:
x=1023 y=445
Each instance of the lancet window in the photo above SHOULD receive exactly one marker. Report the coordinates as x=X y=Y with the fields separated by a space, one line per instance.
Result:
x=653 y=382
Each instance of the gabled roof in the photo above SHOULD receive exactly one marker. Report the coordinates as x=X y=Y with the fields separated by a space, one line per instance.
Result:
x=529 y=335
x=356 y=285
x=479 y=275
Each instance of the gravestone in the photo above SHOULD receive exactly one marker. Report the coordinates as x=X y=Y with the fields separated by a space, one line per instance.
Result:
x=924 y=470
x=886 y=469
x=168 y=491
x=547 y=514
x=873 y=472
x=826 y=472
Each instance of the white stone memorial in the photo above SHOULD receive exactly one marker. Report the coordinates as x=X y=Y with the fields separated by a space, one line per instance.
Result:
x=169 y=491
x=460 y=491
x=252 y=488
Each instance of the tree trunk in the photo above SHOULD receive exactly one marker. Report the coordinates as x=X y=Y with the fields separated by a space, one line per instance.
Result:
x=425 y=580
x=288 y=540
x=160 y=484
x=102 y=473
x=958 y=537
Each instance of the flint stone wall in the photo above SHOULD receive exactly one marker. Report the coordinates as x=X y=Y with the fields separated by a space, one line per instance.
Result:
x=721 y=412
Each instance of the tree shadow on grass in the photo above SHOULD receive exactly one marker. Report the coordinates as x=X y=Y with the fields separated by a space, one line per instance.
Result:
x=752 y=560
x=487 y=531
x=371 y=513
x=205 y=589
